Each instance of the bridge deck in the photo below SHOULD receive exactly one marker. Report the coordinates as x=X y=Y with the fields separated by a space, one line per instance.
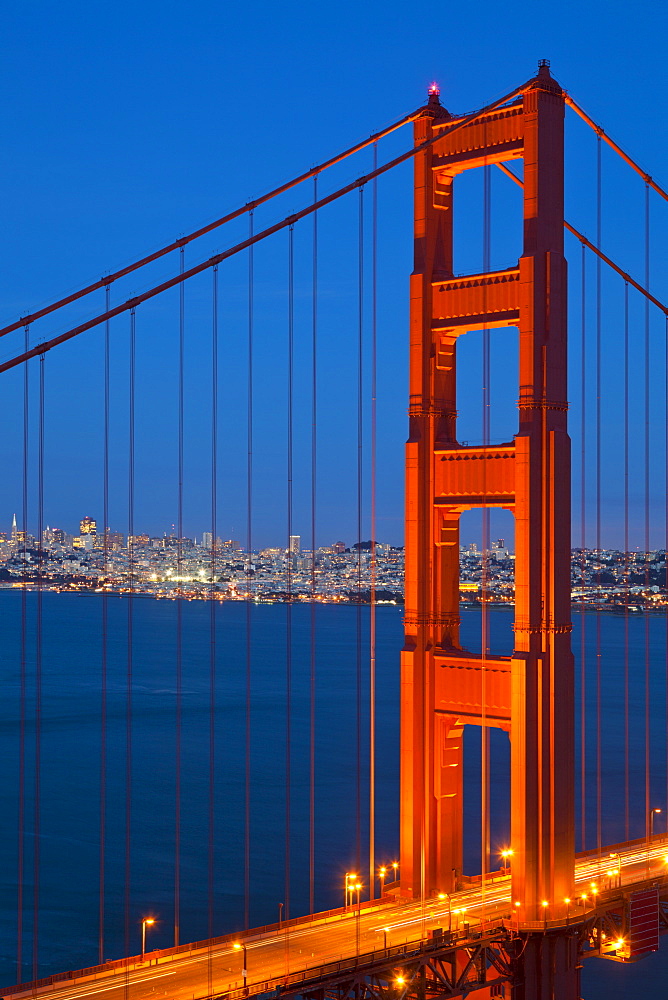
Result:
x=329 y=944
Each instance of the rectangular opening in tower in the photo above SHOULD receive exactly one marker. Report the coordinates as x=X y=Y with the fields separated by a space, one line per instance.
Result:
x=487 y=220
x=487 y=393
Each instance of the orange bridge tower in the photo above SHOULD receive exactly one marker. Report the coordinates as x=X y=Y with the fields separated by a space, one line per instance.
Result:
x=444 y=687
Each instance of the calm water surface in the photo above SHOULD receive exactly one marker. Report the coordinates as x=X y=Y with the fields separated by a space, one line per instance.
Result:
x=69 y=815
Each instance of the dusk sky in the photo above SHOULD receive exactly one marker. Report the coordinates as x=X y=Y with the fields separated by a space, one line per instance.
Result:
x=129 y=125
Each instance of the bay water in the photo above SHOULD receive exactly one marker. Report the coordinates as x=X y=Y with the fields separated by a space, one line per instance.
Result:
x=328 y=654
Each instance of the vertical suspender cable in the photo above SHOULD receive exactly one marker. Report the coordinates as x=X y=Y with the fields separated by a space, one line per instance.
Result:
x=105 y=626
x=583 y=557
x=626 y=563
x=179 y=616
x=599 y=831
x=314 y=456
x=212 y=600
x=360 y=443
x=249 y=542
x=129 y=671
x=38 y=676
x=484 y=609
x=288 y=570
x=665 y=540
x=372 y=594
x=648 y=804
x=16 y=536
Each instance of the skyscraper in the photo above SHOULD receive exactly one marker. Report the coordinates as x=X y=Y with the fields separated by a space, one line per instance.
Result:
x=295 y=544
x=87 y=526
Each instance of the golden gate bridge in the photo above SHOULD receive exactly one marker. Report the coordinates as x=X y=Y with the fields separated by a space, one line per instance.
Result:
x=520 y=930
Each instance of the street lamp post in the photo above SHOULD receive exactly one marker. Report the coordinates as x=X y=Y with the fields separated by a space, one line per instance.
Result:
x=545 y=905
x=382 y=872
x=505 y=855
x=395 y=866
x=244 y=970
x=146 y=922
x=280 y=915
x=652 y=814
x=568 y=910
x=348 y=888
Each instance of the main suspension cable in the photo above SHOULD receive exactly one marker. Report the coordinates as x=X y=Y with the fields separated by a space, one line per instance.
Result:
x=602 y=134
x=596 y=250
x=245 y=244
x=184 y=240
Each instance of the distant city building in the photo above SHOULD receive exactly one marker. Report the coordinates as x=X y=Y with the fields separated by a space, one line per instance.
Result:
x=295 y=544
x=14 y=530
x=83 y=542
x=338 y=548
x=207 y=540
x=88 y=526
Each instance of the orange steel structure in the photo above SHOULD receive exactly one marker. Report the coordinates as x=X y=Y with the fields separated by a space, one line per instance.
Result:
x=529 y=694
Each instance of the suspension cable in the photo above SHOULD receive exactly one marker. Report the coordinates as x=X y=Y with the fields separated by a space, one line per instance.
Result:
x=245 y=244
x=597 y=250
x=288 y=567
x=105 y=638
x=213 y=602
x=601 y=133
x=184 y=240
x=16 y=536
x=599 y=815
x=249 y=575
x=130 y=627
x=360 y=445
x=627 y=772
x=583 y=558
x=372 y=591
x=314 y=457
x=38 y=677
x=648 y=805
x=179 y=613
x=486 y=530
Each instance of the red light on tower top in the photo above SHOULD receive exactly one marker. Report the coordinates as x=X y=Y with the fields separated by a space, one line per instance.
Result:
x=434 y=90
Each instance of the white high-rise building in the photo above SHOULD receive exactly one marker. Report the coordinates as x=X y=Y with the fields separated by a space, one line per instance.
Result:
x=295 y=544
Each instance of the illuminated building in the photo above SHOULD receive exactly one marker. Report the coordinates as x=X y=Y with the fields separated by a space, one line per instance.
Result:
x=88 y=526
x=295 y=544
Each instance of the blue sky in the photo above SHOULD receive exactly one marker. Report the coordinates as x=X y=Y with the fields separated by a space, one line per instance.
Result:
x=129 y=125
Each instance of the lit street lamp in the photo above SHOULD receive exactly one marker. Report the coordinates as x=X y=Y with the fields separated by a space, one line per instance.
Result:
x=244 y=970
x=505 y=854
x=146 y=922
x=382 y=872
x=348 y=888
x=652 y=814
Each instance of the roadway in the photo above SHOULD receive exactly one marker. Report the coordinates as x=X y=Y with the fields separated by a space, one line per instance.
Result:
x=318 y=940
